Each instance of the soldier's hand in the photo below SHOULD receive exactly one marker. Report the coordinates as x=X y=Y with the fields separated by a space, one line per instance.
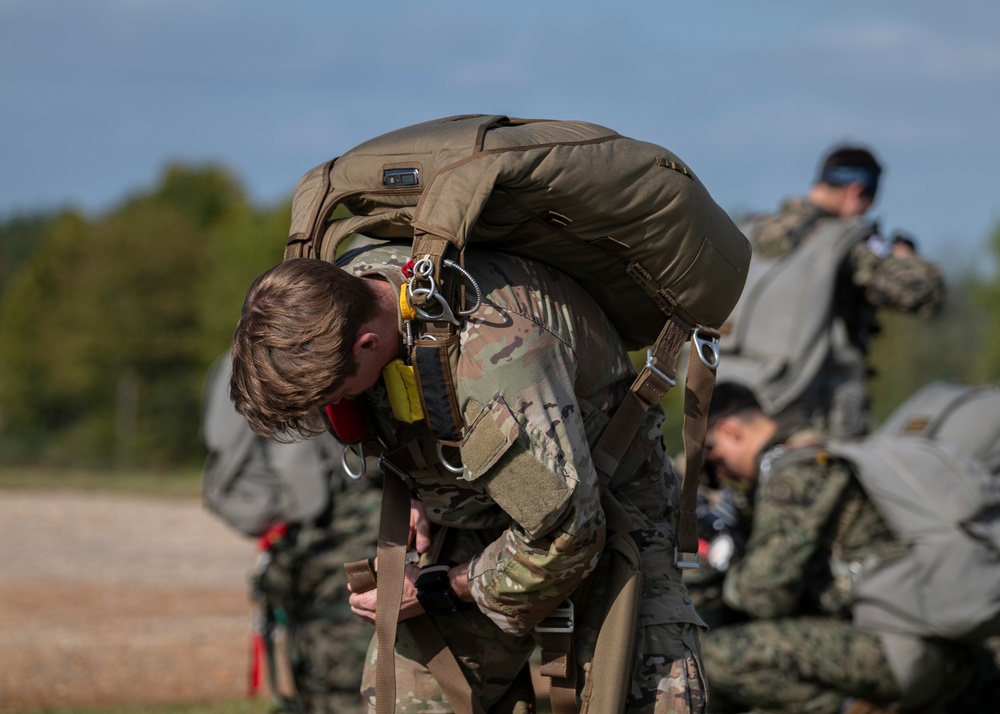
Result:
x=420 y=527
x=363 y=604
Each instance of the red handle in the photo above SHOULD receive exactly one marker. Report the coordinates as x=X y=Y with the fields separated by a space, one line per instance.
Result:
x=346 y=422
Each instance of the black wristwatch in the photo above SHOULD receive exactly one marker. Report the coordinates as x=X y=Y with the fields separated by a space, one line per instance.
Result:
x=434 y=590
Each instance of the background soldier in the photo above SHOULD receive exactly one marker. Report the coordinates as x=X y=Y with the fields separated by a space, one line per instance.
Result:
x=310 y=520
x=815 y=536
x=799 y=335
x=523 y=523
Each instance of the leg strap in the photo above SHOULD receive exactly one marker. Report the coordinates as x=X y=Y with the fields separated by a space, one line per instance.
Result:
x=394 y=531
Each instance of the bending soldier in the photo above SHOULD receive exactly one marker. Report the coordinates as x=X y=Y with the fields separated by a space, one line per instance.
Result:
x=521 y=528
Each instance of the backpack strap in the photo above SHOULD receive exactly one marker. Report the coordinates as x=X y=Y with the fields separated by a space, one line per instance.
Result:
x=616 y=638
x=657 y=377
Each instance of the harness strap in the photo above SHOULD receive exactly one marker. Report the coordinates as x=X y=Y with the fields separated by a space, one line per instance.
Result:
x=558 y=663
x=443 y=666
x=699 y=386
x=393 y=534
x=437 y=655
x=655 y=379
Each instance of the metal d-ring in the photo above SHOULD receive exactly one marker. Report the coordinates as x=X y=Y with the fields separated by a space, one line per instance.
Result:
x=360 y=450
x=458 y=470
x=701 y=343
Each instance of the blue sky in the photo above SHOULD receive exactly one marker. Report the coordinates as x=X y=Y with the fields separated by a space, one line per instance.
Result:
x=97 y=95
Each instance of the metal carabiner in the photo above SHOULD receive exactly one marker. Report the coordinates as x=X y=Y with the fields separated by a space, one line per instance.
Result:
x=711 y=344
x=457 y=470
x=445 y=315
x=361 y=456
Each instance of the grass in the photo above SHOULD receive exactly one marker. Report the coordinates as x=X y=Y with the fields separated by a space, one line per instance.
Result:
x=179 y=483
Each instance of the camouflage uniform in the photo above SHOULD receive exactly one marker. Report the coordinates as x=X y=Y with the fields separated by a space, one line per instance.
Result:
x=868 y=279
x=301 y=580
x=313 y=521
x=539 y=371
x=814 y=534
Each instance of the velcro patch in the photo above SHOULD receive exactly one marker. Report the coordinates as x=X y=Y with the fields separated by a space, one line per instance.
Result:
x=527 y=490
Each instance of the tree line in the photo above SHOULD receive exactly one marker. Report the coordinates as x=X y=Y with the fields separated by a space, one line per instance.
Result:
x=109 y=323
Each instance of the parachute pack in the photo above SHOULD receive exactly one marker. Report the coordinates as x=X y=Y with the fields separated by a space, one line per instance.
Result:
x=627 y=219
x=944 y=505
x=779 y=334
x=252 y=484
x=964 y=415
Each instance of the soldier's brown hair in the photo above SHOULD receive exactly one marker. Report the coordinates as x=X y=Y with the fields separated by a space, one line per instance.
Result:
x=292 y=344
x=732 y=400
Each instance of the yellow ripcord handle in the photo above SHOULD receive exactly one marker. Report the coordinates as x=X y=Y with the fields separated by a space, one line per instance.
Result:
x=400 y=382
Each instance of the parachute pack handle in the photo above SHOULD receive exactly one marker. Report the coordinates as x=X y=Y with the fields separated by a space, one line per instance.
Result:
x=496 y=120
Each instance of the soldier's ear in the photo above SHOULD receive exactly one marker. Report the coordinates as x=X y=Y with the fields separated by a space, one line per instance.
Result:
x=366 y=342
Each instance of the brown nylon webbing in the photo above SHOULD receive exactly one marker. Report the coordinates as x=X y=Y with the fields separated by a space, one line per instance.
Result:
x=697 y=398
x=443 y=666
x=393 y=534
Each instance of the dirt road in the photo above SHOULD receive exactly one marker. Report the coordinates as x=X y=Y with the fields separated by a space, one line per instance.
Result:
x=110 y=598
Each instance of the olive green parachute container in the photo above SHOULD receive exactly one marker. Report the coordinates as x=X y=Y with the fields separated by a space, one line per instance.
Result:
x=627 y=219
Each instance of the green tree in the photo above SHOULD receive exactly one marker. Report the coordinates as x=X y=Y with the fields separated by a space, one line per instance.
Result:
x=912 y=351
x=101 y=353
x=987 y=297
x=20 y=234
x=249 y=242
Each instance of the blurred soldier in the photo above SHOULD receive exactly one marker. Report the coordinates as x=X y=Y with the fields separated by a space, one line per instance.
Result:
x=310 y=520
x=802 y=329
x=539 y=371
x=799 y=335
x=819 y=551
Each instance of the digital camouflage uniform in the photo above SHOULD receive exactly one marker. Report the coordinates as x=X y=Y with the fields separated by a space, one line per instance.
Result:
x=539 y=370
x=868 y=279
x=301 y=580
x=814 y=534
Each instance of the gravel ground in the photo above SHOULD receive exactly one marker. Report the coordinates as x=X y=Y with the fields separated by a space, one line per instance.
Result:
x=111 y=599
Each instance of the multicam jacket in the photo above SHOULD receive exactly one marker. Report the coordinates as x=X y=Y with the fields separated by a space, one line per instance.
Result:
x=539 y=371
